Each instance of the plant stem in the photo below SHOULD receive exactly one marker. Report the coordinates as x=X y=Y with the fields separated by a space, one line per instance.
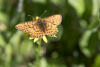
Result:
x=38 y=53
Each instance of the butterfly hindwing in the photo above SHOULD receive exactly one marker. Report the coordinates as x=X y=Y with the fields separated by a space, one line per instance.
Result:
x=51 y=29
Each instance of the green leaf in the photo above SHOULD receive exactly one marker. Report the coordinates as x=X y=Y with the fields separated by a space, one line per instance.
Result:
x=26 y=48
x=8 y=52
x=3 y=17
x=95 y=7
x=39 y=1
x=2 y=41
x=84 y=41
x=43 y=62
x=58 y=2
x=78 y=5
x=16 y=38
x=97 y=61
x=15 y=42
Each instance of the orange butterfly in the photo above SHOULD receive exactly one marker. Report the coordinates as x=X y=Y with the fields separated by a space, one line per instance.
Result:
x=41 y=26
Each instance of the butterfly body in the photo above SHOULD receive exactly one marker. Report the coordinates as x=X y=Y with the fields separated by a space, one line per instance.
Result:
x=42 y=26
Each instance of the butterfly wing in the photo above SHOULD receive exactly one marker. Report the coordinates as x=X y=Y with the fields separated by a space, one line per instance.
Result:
x=32 y=28
x=51 y=24
x=50 y=29
x=36 y=31
x=54 y=19
x=25 y=26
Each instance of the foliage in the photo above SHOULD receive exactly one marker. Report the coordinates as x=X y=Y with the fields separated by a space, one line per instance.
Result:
x=78 y=42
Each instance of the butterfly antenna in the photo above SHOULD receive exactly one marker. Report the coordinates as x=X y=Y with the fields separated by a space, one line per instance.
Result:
x=43 y=13
x=31 y=17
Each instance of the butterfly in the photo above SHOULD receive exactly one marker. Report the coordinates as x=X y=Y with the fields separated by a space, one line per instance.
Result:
x=42 y=26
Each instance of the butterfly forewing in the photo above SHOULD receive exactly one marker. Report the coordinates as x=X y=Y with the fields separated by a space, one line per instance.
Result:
x=30 y=27
x=54 y=19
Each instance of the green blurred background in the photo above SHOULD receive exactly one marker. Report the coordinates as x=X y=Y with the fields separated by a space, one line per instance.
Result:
x=77 y=43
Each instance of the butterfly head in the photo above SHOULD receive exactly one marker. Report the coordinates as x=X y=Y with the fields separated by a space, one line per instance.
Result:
x=37 y=18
